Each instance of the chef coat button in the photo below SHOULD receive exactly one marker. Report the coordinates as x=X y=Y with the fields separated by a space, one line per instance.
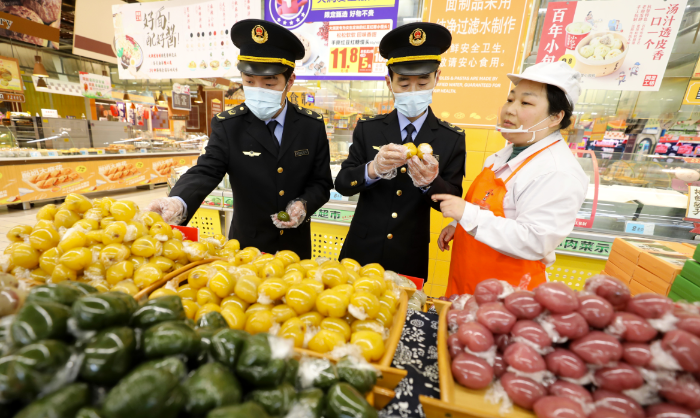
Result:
x=281 y=192
x=281 y=232
x=394 y=215
x=280 y=170
x=399 y=193
x=390 y=236
x=403 y=169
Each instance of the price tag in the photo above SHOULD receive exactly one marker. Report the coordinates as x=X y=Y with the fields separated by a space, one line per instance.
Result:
x=182 y=161
x=66 y=140
x=53 y=153
x=641 y=228
x=139 y=165
x=35 y=154
x=100 y=152
x=122 y=151
x=143 y=150
x=337 y=196
x=80 y=169
x=351 y=59
x=83 y=152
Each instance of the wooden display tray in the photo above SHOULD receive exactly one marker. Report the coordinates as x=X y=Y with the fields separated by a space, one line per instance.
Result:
x=390 y=376
x=456 y=401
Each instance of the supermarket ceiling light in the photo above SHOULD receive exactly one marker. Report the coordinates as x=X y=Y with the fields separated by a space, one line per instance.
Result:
x=199 y=99
x=41 y=82
x=39 y=70
x=161 y=99
x=126 y=96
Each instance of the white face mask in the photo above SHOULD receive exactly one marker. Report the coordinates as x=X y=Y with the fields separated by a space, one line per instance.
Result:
x=264 y=103
x=412 y=103
x=521 y=130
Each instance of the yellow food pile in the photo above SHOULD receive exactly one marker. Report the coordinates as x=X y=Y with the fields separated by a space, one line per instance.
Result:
x=106 y=243
x=318 y=307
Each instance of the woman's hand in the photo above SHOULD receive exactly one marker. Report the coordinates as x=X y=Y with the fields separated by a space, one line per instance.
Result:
x=447 y=234
x=450 y=206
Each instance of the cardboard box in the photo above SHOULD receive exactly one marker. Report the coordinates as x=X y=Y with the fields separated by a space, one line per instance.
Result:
x=665 y=266
x=227 y=200
x=685 y=249
x=674 y=296
x=637 y=288
x=631 y=248
x=691 y=271
x=624 y=263
x=648 y=279
x=686 y=289
x=213 y=200
x=617 y=272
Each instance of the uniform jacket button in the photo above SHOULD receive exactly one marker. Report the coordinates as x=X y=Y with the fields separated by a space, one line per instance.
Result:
x=280 y=170
x=281 y=192
x=403 y=169
x=390 y=236
x=399 y=193
x=281 y=232
x=394 y=215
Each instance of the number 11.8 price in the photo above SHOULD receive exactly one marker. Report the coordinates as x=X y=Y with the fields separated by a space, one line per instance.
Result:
x=351 y=60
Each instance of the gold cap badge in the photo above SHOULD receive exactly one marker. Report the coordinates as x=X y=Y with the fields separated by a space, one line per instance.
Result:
x=259 y=34
x=417 y=37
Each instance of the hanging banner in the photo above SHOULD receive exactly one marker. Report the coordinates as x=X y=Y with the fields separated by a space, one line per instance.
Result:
x=181 y=97
x=95 y=86
x=90 y=39
x=486 y=42
x=692 y=94
x=36 y=22
x=340 y=42
x=615 y=45
x=178 y=38
x=10 y=78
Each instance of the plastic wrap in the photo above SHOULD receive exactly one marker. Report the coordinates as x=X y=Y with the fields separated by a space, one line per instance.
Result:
x=495 y=317
x=636 y=354
x=172 y=210
x=491 y=290
x=684 y=391
x=665 y=410
x=557 y=407
x=454 y=346
x=610 y=289
x=475 y=336
x=316 y=372
x=684 y=347
x=571 y=325
x=423 y=172
x=532 y=332
x=597 y=348
x=524 y=358
x=556 y=297
x=688 y=321
x=296 y=209
x=388 y=159
x=571 y=391
x=523 y=305
x=631 y=327
x=471 y=371
x=523 y=391
x=617 y=402
x=618 y=378
x=565 y=363
x=595 y=310
x=649 y=305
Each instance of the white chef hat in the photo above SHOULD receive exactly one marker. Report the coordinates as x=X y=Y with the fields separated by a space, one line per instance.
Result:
x=557 y=74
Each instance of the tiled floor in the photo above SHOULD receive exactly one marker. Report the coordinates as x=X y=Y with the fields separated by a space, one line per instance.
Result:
x=13 y=217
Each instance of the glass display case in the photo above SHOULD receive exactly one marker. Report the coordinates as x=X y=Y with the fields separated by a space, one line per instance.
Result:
x=638 y=194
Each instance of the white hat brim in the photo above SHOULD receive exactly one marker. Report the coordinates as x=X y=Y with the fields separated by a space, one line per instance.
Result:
x=517 y=78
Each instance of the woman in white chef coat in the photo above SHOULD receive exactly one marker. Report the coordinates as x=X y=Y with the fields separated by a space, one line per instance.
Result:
x=524 y=202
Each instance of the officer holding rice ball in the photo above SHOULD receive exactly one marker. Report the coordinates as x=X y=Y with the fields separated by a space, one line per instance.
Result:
x=397 y=161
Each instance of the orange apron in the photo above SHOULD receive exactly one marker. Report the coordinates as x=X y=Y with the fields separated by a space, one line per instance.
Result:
x=473 y=261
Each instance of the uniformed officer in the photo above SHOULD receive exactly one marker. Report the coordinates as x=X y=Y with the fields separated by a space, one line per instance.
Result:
x=275 y=153
x=391 y=225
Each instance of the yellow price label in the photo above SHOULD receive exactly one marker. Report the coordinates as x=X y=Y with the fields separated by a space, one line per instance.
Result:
x=139 y=165
x=182 y=161
x=80 y=169
x=66 y=140
x=351 y=60
x=569 y=59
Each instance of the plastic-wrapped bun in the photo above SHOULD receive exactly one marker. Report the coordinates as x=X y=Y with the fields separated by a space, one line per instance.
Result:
x=649 y=305
x=475 y=336
x=636 y=354
x=471 y=371
x=564 y=363
x=454 y=346
x=631 y=327
x=488 y=291
x=557 y=297
x=531 y=331
x=618 y=378
x=557 y=407
x=617 y=402
x=571 y=391
x=606 y=413
x=524 y=358
x=499 y=366
x=523 y=305
x=610 y=289
x=595 y=310
x=665 y=410
x=523 y=391
x=495 y=317
x=684 y=347
x=688 y=321
x=597 y=348
x=571 y=325
x=586 y=51
x=613 y=54
x=684 y=391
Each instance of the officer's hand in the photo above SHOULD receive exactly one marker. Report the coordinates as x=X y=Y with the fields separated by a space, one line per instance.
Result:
x=388 y=159
x=423 y=172
x=447 y=234
x=170 y=209
x=451 y=206
x=297 y=213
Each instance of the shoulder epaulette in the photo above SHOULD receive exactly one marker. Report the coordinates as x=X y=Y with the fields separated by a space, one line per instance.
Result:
x=308 y=113
x=373 y=117
x=237 y=110
x=450 y=126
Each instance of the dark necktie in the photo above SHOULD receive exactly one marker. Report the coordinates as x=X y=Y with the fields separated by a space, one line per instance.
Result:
x=272 y=126
x=409 y=132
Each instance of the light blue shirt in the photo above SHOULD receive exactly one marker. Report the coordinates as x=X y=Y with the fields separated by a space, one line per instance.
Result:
x=280 y=123
x=403 y=123
x=278 y=134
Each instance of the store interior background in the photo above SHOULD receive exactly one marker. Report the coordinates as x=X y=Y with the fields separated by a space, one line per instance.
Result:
x=623 y=128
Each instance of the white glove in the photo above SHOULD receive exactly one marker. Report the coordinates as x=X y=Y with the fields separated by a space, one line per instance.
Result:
x=170 y=209
x=388 y=159
x=423 y=172
x=297 y=212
